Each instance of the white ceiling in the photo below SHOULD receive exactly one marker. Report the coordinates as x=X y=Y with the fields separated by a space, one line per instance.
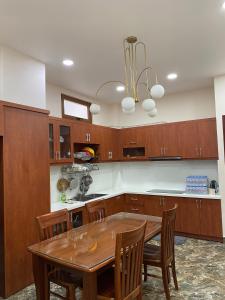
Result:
x=183 y=36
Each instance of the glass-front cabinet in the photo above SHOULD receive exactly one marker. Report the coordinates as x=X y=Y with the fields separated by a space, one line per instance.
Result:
x=60 y=145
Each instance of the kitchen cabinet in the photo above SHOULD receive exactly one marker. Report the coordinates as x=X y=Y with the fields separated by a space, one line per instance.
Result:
x=210 y=215
x=115 y=205
x=25 y=192
x=109 y=150
x=132 y=143
x=163 y=141
x=198 y=217
x=86 y=133
x=134 y=203
x=198 y=139
x=60 y=143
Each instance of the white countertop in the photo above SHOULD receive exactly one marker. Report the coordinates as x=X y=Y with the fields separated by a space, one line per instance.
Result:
x=113 y=193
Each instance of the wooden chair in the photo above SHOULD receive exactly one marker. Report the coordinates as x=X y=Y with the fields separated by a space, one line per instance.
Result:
x=96 y=210
x=50 y=225
x=124 y=281
x=163 y=256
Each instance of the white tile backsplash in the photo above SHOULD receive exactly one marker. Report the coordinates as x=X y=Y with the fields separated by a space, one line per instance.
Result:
x=147 y=175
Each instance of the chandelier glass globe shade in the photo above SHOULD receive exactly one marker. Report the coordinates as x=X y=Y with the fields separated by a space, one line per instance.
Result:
x=128 y=112
x=128 y=103
x=148 y=104
x=95 y=109
x=153 y=112
x=157 y=91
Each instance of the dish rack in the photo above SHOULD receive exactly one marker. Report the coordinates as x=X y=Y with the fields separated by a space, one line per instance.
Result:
x=79 y=169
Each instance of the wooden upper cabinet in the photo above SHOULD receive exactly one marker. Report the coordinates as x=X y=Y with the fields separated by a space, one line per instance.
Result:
x=155 y=141
x=60 y=141
x=207 y=133
x=86 y=133
x=109 y=150
x=163 y=140
x=198 y=139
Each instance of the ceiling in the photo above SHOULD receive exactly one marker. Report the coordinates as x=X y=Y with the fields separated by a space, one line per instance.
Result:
x=183 y=36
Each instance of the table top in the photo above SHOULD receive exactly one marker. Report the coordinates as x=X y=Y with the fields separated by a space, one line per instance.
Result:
x=91 y=246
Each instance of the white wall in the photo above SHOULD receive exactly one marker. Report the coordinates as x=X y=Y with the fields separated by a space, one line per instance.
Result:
x=183 y=106
x=174 y=107
x=108 y=114
x=219 y=87
x=140 y=175
x=22 y=79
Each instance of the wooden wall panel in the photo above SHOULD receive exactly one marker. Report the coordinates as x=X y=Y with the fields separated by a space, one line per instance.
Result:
x=26 y=190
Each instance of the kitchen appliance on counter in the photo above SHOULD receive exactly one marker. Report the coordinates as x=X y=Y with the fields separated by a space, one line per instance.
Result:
x=213 y=187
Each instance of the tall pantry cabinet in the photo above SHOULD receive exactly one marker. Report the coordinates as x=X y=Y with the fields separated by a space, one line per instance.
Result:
x=24 y=188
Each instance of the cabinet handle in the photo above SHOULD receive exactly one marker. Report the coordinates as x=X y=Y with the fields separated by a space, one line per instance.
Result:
x=161 y=152
x=134 y=199
x=197 y=151
x=86 y=137
x=196 y=203
x=200 y=203
x=134 y=209
x=164 y=150
x=89 y=137
x=200 y=151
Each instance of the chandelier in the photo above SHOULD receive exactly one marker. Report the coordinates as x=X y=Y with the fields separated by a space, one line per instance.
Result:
x=135 y=76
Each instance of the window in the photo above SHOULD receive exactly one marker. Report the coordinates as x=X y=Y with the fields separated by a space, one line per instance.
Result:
x=75 y=108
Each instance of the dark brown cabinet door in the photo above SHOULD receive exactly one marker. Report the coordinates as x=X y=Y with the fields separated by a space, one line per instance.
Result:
x=109 y=146
x=155 y=141
x=80 y=132
x=188 y=139
x=188 y=215
x=211 y=223
x=170 y=140
x=115 y=205
x=60 y=141
x=207 y=138
x=153 y=205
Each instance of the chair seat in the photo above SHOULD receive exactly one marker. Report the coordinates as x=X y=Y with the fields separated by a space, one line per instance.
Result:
x=106 y=284
x=65 y=278
x=152 y=253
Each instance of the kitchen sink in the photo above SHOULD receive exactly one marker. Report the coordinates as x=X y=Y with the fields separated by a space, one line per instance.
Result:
x=161 y=191
x=88 y=197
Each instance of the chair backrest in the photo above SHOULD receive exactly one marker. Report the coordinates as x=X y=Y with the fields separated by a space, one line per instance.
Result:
x=128 y=263
x=53 y=223
x=167 y=234
x=96 y=210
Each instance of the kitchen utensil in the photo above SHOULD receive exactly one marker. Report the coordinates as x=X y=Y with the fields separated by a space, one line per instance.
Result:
x=214 y=185
x=84 y=188
x=62 y=184
x=74 y=183
x=87 y=179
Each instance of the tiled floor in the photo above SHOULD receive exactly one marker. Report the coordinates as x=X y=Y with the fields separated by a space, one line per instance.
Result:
x=200 y=270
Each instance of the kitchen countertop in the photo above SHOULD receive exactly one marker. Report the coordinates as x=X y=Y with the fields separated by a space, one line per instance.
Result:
x=114 y=192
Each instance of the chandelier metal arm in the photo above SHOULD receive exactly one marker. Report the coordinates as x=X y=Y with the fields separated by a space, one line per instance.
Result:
x=106 y=83
x=139 y=77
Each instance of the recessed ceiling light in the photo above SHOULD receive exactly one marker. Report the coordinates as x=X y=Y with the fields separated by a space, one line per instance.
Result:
x=120 y=88
x=68 y=62
x=223 y=6
x=172 y=76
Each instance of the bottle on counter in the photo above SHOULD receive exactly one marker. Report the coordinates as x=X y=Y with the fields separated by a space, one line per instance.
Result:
x=63 y=197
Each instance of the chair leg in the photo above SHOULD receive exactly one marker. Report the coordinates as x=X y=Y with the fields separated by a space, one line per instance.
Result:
x=71 y=293
x=165 y=282
x=145 y=272
x=168 y=275
x=174 y=274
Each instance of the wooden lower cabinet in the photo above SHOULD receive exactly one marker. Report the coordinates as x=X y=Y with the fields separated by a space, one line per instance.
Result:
x=198 y=217
x=115 y=205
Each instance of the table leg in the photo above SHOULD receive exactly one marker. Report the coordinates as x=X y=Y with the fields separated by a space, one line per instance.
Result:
x=90 y=286
x=40 y=277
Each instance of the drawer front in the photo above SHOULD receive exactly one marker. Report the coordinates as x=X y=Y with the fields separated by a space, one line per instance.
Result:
x=134 y=200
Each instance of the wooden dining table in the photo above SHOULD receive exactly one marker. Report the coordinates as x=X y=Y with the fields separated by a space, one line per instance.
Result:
x=86 y=249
